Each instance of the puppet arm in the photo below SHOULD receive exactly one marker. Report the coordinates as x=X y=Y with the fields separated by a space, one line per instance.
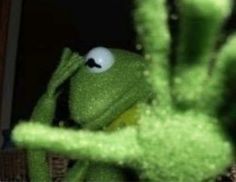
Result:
x=45 y=109
x=85 y=170
x=78 y=171
x=70 y=62
x=120 y=147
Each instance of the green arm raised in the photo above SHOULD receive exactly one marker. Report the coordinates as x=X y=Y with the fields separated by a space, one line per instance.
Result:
x=120 y=147
x=45 y=109
x=70 y=62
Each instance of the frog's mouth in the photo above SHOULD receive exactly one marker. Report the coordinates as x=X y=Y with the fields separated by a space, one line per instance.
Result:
x=127 y=118
x=118 y=110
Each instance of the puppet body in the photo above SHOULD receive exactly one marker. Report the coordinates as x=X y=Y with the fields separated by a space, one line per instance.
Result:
x=179 y=136
x=102 y=97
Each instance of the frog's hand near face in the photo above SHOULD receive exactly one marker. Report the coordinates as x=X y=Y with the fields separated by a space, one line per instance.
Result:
x=45 y=109
x=109 y=83
x=70 y=62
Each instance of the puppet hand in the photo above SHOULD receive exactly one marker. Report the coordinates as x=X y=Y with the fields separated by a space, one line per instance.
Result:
x=70 y=62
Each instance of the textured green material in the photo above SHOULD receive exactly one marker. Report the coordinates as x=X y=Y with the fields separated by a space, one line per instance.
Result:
x=104 y=173
x=200 y=23
x=175 y=141
x=44 y=112
x=96 y=146
x=176 y=147
x=70 y=62
x=97 y=99
x=225 y=71
x=153 y=35
x=96 y=172
x=78 y=171
x=37 y=165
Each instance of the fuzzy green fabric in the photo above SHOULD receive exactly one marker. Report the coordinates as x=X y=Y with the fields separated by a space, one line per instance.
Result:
x=176 y=148
x=179 y=136
x=95 y=100
x=44 y=112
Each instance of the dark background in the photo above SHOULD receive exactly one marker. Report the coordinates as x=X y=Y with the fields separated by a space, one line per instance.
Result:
x=48 y=26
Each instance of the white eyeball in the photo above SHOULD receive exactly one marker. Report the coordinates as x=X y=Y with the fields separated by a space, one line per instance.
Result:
x=99 y=59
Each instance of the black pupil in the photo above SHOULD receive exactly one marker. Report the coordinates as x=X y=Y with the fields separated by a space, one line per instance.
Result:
x=92 y=63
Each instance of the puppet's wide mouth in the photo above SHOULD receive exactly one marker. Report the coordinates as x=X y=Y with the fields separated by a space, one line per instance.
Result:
x=110 y=112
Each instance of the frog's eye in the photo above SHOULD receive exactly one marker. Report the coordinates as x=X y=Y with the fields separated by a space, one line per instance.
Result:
x=99 y=59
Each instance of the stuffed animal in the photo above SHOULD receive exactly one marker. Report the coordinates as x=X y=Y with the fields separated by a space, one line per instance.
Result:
x=105 y=87
x=178 y=136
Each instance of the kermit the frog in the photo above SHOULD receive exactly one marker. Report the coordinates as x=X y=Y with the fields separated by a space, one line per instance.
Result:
x=179 y=136
x=105 y=87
